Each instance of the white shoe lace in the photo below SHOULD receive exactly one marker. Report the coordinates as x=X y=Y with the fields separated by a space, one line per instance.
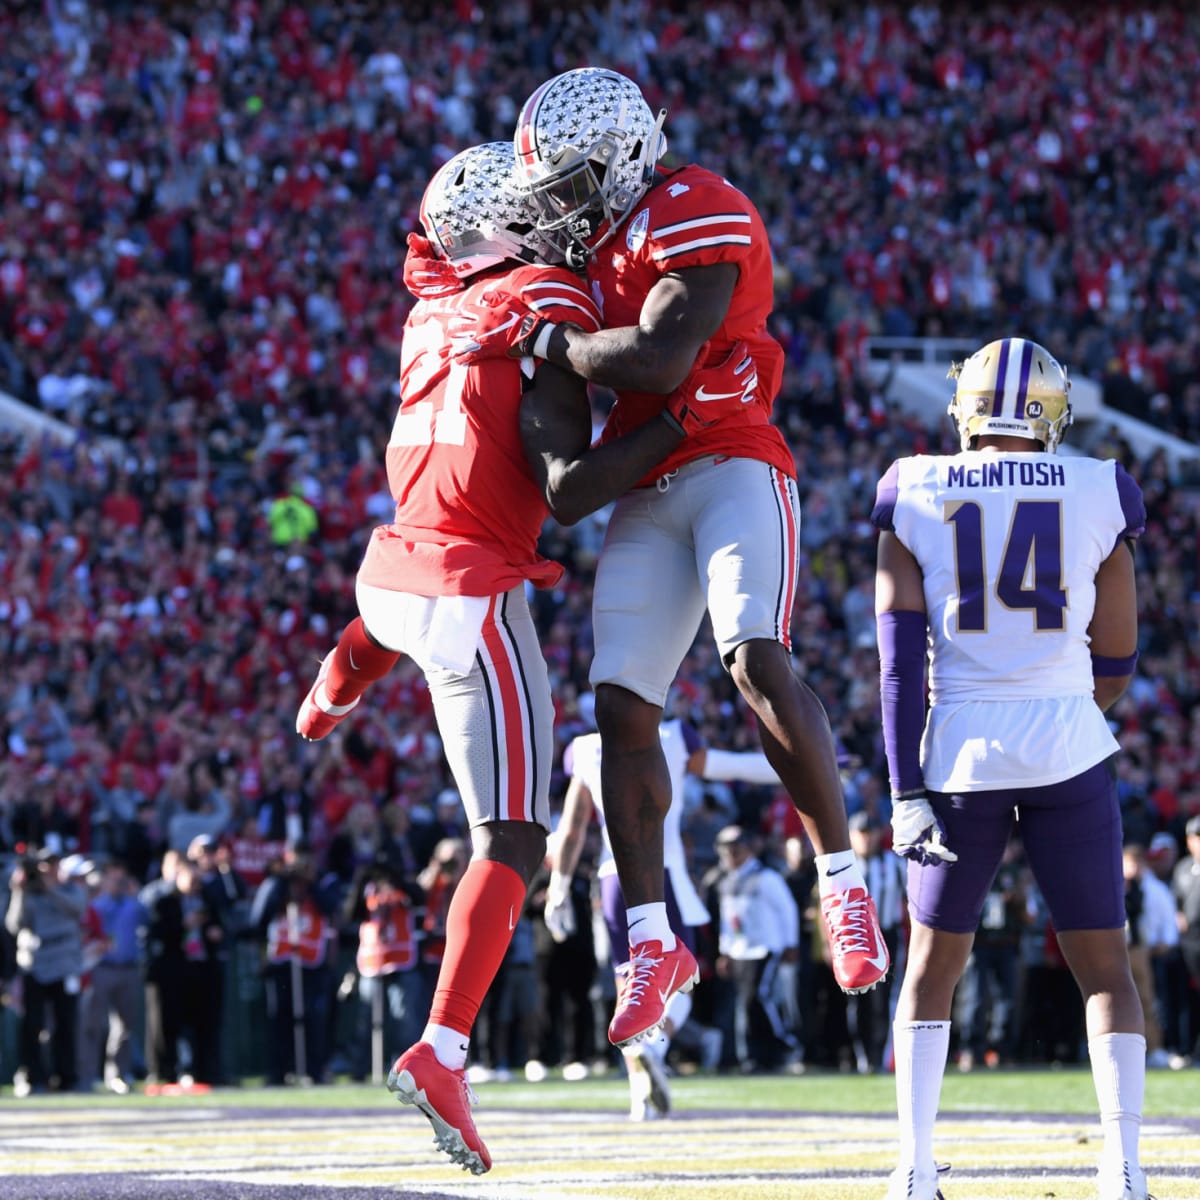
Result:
x=636 y=975
x=472 y=1099
x=853 y=930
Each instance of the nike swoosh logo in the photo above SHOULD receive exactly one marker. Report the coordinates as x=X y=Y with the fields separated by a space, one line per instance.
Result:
x=880 y=960
x=702 y=393
x=512 y=320
x=839 y=870
x=637 y=922
x=511 y=923
x=665 y=994
x=353 y=665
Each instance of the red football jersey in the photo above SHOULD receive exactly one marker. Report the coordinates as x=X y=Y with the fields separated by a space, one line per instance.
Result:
x=468 y=512
x=692 y=218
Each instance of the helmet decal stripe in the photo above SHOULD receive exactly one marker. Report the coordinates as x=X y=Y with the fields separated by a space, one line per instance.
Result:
x=1001 y=371
x=1011 y=388
x=585 y=142
x=1023 y=381
x=527 y=124
x=475 y=216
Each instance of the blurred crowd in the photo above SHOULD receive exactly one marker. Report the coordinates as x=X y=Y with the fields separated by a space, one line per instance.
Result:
x=202 y=220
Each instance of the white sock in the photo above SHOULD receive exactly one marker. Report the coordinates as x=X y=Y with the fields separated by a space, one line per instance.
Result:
x=658 y=1043
x=846 y=873
x=1119 y=1073
x=679 y=1008
x=651 y=925
x=449 y=1046
x=921 y=1049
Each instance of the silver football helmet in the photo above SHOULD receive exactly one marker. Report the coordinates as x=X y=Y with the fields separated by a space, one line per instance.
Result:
x=474 y=215
x=1013 y=387
x=586 y=145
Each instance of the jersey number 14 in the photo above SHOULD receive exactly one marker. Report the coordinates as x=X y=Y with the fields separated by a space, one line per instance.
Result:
x=1031 y=567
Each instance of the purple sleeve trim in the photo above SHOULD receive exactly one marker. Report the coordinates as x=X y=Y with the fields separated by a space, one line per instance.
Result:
x=1105 y=667
x=886 y=493
x=1133 y=506
x=691 y=738
x=902 y=638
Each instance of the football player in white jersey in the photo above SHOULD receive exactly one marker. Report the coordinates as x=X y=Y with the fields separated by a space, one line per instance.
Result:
x=685 y=754
x=1009 y=572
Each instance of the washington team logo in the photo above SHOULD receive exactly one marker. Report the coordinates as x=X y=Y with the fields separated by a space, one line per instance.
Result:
x=635 y=235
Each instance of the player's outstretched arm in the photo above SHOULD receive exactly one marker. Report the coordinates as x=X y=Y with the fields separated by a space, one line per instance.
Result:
x=566 y=846
x=572 y=827
x=743 y=766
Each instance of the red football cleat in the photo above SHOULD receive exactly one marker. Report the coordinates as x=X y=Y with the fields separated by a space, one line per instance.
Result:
x=644 y=985
x=445 y=1098
x=317 y=716
x=860 y=955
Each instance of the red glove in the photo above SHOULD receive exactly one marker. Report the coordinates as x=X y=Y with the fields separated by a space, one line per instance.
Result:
x=503 y=326
x=710 y=393
x=425 y=273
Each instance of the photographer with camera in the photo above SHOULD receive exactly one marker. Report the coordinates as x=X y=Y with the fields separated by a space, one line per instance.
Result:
x=294 y=909
x=45 y=913
x=386 y=906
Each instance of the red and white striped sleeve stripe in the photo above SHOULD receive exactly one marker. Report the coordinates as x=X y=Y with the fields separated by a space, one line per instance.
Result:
x=561 y=300
x=696 y=233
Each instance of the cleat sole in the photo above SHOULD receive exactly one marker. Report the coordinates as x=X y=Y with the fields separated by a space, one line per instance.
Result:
x=445 y=1136
x=660 y=1089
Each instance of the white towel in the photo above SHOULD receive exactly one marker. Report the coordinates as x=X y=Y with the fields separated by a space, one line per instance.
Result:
x=434 y=631
x=455 y=627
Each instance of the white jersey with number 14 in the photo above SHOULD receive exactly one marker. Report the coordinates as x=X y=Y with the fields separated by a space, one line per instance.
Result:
x=1009 y=546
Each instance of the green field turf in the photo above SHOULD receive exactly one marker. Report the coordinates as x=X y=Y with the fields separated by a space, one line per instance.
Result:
x=1066 y=1090
x=1010 y=1135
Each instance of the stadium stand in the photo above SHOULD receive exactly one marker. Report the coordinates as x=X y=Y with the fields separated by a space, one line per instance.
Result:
x=202 y=220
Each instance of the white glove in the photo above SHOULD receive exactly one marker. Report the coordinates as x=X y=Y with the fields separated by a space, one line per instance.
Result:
x=917 y=831
x=559 y=913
